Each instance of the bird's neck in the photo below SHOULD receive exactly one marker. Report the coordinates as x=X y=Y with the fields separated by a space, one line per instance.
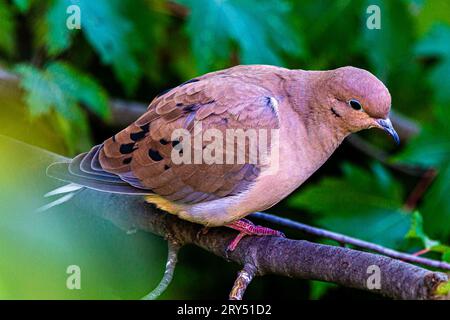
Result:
x=324 y=131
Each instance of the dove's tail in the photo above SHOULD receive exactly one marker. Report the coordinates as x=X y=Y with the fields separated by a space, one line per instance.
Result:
x=67 y=192
x=85 y=171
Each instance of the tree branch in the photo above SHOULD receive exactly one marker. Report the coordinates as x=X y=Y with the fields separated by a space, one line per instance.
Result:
x=273 y=255
x=343 y=239
x=245 y=276
x=172 y=258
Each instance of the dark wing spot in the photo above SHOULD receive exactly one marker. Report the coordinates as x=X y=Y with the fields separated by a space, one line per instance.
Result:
x=166 y=167
x=163 y=142
x=127 y=148
x=154 y=155
x=137 y=136
x=179 y=104
x=141 y=134
x=189 y=81
x=127 y=160
x=114 y=138
x=145 y=127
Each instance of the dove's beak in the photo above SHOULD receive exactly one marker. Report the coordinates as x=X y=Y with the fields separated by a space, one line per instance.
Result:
x=386 y=125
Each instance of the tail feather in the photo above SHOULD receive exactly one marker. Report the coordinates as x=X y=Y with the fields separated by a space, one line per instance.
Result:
x=71 y=187
x=57 y=202
x=61 y=171
x=75 y=168
x=85 y=171
x=89 y=163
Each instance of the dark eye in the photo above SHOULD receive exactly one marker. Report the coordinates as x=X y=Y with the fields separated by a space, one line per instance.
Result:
x=355 y=104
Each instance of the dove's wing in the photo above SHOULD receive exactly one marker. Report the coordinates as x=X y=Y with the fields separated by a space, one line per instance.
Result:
x=140 y=155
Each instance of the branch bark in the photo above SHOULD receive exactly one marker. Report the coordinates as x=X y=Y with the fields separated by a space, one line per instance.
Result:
x=245 y=276
x=344 y=240
x=273 y=255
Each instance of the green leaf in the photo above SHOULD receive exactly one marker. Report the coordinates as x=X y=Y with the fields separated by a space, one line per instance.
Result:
x=41 y=93
x=7 y=28
x=432 y=148
x=81 y=87
x=388 y=47
x=23 y=5
x=361 y=204
x=436 y=43
x=436 y=205
x=105 y=28
x=416 y=231
x=62 y=88
x=431 y=12
x=358 y=188
x=259 y=28
x=319 y=288
x=446 y=256
x=58 y=37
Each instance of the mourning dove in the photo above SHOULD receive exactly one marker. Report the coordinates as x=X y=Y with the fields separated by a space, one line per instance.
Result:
x=310 y=112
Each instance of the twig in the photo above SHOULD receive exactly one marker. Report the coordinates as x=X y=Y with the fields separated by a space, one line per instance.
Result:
x=349 y=240
x=420 y=189
x=245 y=276
x=172 y=257
x=421 y=252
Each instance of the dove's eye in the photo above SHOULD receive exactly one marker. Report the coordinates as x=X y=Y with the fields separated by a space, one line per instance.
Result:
x=355 y=104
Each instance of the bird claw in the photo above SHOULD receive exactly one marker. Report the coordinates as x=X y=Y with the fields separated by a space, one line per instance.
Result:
x=248 y=228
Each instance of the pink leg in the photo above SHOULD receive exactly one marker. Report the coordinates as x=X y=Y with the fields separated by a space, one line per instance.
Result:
x=247 y=228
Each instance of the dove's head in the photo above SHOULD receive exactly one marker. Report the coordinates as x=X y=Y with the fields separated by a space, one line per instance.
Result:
x=358 y=100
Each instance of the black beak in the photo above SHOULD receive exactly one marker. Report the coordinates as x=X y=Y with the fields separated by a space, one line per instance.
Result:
x=386 y=125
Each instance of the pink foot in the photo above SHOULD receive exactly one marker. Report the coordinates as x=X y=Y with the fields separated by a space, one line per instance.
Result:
x=247 y=228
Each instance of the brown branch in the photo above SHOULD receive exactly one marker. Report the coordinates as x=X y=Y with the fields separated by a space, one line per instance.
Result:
x=172 y=259
x=343 y=239
x=272 y=255
x=420 y=189
x=245 y=276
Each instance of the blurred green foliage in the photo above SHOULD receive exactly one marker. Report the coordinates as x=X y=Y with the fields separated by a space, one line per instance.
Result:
x=134 y=49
